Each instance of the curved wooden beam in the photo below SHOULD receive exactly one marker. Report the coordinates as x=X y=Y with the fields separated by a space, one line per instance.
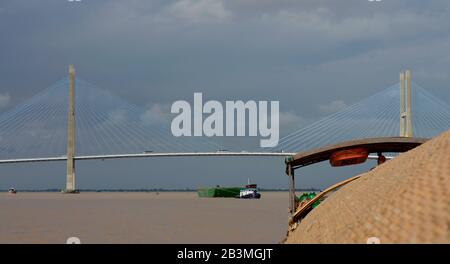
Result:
x=373 y=145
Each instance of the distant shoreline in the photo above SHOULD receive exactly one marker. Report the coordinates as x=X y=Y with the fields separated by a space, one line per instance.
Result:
x=154 y=190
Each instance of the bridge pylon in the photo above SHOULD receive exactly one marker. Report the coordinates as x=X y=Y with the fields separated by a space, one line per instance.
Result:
x=70 y=176
x=405 y=104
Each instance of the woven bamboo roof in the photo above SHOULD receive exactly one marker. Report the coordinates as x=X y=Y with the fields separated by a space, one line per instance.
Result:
x=405 y=200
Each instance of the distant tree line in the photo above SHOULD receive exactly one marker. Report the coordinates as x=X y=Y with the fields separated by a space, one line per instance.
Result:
x=160 y=190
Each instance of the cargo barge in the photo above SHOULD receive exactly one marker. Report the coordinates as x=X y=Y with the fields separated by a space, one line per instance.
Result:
x=249 y=192
x=219 y=192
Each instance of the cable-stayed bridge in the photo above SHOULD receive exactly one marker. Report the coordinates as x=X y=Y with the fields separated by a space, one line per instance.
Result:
x=105 y=126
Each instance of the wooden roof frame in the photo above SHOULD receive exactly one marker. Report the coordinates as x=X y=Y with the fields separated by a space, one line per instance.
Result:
x=373 y=145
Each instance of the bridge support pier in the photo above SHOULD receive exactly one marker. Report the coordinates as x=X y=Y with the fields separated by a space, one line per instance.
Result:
x=70 y=176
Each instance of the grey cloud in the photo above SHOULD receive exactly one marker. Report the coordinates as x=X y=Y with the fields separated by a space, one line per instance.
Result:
x=290 y=121
x=4 y=100
x=156 y=114
x=332 y=107
x=202 y=11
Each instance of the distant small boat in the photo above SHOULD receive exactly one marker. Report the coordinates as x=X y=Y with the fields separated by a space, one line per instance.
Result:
x=12 y=191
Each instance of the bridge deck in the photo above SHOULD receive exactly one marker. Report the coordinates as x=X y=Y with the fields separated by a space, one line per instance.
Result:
x=159 y=154
x=155 y=155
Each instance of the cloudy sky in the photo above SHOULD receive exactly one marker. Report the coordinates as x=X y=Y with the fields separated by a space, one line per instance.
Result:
x=314 y=56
